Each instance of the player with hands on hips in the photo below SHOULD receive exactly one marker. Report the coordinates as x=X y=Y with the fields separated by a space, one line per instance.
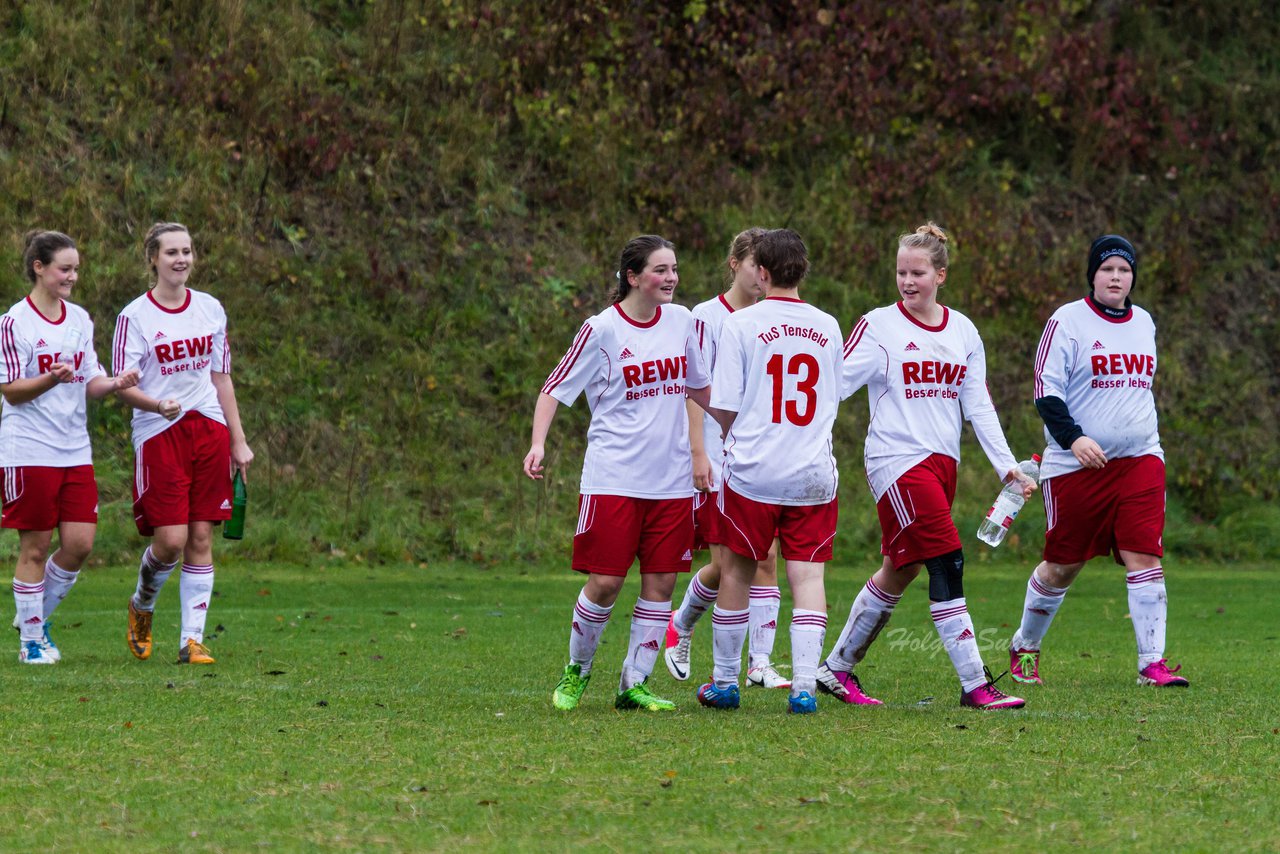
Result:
x=925 y=370
x=745 y=289
x=775 y=391
x=1102 y=472
x=187 y=436
x=48 y=367
x=634 y=362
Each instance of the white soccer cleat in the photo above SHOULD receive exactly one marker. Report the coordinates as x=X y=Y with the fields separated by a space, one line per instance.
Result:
x=677 y=658
x=766 y=676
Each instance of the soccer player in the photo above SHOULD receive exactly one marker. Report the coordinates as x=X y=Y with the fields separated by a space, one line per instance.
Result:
x=775 y=391
x=634 y=362
x=708 y=455
x=1103 y=469
x=48 y=366
x=925 y=371
x=187 y=436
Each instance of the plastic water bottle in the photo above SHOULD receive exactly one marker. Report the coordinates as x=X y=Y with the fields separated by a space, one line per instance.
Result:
x=233 y=528
x=1009 y=502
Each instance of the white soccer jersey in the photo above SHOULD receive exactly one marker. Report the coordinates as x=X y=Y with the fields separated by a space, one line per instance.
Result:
x=922 y=382
x=175 y=350
x=634 y=376
x=49 y=430
x=708 y=318
x=778 y=367
x=1104 y=369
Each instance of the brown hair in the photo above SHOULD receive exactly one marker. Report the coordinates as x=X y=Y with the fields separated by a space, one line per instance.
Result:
x=634 y=258
x=930 y=238
x=742 y=247
x=151 y=243
x=42 y=246
x=783 y=254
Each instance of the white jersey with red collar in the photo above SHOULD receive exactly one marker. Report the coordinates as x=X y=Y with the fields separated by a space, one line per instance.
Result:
x=708 y=319
x=634 y=375
x=50 y=429
x=922 y=383
x=778 y=367
x=175 y=350
x=1104 y=369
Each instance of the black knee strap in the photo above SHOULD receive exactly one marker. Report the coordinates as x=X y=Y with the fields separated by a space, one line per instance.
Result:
x=945 y=576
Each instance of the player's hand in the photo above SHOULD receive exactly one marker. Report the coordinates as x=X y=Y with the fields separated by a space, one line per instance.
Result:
x=62 y=372
x=533 y=462
x=1028 y=485
x=703 y=480
x=128 y=379
x=1088 y=454
x=169 y=408
x=241 y=456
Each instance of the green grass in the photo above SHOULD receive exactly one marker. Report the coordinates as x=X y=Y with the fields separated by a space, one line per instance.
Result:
x=408 y=708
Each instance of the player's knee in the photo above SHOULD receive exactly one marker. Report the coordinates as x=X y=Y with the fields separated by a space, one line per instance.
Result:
x=946 y=575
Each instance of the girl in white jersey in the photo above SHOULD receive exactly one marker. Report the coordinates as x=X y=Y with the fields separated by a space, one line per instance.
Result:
x=1103 y=470
x=925 y=371
x=48 y=366
x=744 y=290
x=634 y=362
x=187 y=436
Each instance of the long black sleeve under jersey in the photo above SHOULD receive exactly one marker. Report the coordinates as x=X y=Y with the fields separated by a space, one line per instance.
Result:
x=1057 y=418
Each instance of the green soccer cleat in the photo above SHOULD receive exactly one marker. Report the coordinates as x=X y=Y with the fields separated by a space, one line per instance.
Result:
x=639 y=696
x=569 y=690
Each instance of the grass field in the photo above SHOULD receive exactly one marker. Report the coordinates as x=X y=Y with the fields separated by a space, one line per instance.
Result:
x=408 y=708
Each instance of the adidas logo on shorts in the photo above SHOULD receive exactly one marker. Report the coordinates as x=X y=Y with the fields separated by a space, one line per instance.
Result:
x=226 y=505
x=688 y=554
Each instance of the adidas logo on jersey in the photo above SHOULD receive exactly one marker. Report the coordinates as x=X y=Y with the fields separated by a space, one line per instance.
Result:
x=1097 y=345
x=40 y=344
x=226 y=505
x=159 y=335
x=626 y=354
x=967 y=634
x=911 y=347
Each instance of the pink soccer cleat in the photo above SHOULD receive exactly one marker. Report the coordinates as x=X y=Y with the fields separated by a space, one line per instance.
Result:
x=989 y=698
x=1161 y=676
x=1024 y=666
x=845 y=687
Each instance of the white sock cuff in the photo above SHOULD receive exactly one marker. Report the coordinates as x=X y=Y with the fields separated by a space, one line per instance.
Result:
x=149 y=557
x=197 y=568
x=52 y=570
x=701 y=590
x=1042 y=589
x=805 y=619
x=887 y=601
x=651 y=613
x=1143 y=577
x=729 y=619
x=941 y=611
x=587 y=610
x=761 y=593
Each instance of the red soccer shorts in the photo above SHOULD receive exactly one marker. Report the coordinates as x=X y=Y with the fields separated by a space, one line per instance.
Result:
x=39 y=498
x=614 y=530
x=1093 y=512
x=749 y=527
x=915 y=513
x=707 y=520
x=183 y=475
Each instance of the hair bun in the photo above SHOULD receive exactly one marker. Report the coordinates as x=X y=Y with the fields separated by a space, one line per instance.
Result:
x=933 y=229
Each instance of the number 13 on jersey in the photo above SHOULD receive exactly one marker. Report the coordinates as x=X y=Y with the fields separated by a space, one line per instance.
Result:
x=802 y=370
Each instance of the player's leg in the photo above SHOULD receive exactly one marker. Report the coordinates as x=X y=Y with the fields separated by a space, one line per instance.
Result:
x=28 y=597
x=1046 y=588
x=699 y=598
x=868 y=616
x=765 y=603
x=806 y=535
x=195 y=593
x=77 y=526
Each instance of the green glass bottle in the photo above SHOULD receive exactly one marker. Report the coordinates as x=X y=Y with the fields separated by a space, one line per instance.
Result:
x=233 y=528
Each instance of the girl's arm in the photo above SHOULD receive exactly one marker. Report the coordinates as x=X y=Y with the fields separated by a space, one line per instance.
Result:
x=543 y=413
x=241 y=453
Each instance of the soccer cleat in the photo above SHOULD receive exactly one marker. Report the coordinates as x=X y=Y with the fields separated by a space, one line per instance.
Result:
x=988 y=697
x=803 y=703
x=766 y=676
x=1159 y=674
x=1024 y=666
x=845 y=687
x=139 y=632
x=639 y=696
x=672 y=635
x=35 y=652
x=51 y=648
x=569 y=689
x=194 y=652
x=677 y=658
x=714 y=697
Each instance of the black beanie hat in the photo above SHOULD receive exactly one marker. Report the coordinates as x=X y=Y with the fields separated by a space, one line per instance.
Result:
x=1106 y=246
